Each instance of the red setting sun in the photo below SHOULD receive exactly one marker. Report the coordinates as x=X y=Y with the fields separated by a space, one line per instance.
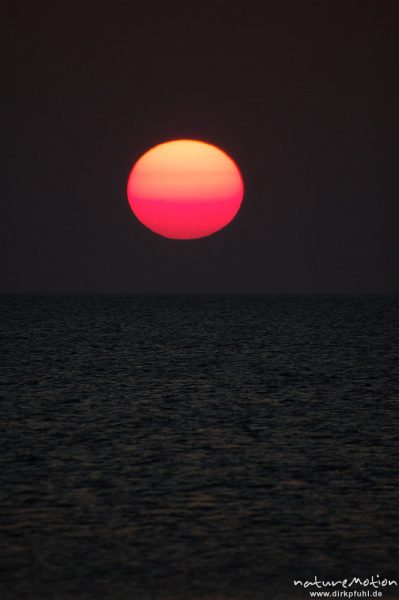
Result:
x=185 y=189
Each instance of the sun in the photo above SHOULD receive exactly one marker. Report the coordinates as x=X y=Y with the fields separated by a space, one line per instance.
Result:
x=185 y=189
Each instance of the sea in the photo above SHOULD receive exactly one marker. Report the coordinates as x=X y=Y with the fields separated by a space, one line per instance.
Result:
x=192 y=447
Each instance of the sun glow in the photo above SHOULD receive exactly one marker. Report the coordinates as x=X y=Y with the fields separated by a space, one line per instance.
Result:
x=185 y=189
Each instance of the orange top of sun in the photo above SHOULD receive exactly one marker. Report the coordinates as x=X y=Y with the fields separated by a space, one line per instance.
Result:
x=185 y=189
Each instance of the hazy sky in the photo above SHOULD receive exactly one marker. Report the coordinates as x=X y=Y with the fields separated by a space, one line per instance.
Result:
x=303 y=95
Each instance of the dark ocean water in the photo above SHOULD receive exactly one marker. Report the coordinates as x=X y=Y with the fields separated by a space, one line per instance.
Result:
x=183 y=447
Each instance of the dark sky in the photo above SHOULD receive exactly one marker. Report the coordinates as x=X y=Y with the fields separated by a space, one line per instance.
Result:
x=302 y=94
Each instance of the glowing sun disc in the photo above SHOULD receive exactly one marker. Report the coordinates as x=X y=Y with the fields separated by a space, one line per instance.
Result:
x=185 y=189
